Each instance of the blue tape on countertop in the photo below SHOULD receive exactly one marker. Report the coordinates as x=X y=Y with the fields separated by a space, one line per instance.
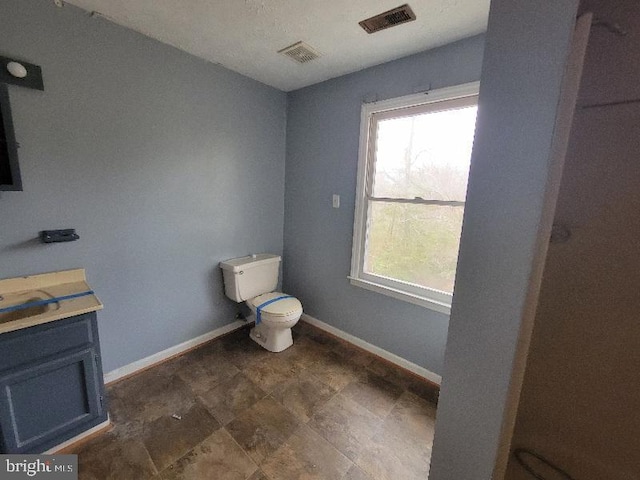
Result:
x=268 y=302
x=40 y=303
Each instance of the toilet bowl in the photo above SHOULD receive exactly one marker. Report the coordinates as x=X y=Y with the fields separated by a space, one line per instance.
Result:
x=253 y=279
x=274 y=313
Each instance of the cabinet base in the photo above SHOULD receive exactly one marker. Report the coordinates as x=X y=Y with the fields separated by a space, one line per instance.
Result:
x=73 y=444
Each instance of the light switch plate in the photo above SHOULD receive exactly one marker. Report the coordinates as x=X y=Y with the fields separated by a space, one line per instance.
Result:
x=336 y=201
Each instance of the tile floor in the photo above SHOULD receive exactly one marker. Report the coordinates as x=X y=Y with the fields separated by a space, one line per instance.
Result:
x=322 y=409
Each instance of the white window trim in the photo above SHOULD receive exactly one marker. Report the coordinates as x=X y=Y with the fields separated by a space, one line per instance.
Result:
x=432 y=299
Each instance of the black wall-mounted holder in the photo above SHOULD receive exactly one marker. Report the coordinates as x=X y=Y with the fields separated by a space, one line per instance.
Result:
x=32 y=79
x=56 y=236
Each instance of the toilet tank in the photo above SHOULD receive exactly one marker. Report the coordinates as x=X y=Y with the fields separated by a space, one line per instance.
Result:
x=248 y=277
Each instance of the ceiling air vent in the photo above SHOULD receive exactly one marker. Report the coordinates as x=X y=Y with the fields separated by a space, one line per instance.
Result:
x=300 y=52
x=388 y=19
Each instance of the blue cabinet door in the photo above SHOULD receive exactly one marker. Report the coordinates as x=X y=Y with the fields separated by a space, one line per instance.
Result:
x=47 y=402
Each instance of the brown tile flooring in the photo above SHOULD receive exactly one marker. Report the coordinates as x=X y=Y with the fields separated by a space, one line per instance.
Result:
x=321 y=409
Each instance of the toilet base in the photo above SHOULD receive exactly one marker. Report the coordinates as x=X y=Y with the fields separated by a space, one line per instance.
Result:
x=272 y=339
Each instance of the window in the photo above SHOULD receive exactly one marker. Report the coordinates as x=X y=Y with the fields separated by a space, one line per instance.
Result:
x=413 y=169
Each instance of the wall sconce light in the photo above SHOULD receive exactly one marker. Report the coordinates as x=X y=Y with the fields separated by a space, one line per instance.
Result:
x=17 y=69
x=17 y=72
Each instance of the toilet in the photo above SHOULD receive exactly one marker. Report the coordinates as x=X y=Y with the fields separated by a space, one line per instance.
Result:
x=253 y=279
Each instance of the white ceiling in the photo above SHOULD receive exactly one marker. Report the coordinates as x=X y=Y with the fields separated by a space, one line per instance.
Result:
x=245 y=35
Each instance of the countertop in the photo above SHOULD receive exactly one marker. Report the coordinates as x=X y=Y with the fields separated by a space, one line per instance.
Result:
x=45 y=286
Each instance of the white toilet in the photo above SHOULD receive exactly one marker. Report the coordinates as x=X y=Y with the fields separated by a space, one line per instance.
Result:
x=253 y=279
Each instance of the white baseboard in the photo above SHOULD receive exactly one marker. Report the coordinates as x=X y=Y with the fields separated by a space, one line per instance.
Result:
x=159 y=357
x=79 y=437
x=391 y=357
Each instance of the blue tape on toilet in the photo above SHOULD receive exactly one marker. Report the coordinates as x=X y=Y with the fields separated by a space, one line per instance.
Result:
x=268 y=302
x=40 y=303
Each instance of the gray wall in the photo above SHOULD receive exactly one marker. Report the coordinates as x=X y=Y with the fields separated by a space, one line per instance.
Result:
x=505 y=230
x=164 y=163
x=323 y=127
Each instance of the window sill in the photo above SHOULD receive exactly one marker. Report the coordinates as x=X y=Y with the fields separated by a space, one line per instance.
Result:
x=401 y=295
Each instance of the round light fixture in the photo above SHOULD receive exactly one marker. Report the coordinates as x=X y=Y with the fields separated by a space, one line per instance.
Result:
x=17 y=69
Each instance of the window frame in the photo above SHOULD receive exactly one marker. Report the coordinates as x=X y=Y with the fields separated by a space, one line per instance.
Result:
x=415 y=294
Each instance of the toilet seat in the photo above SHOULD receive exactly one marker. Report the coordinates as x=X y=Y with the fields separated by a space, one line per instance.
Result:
x=281 y=311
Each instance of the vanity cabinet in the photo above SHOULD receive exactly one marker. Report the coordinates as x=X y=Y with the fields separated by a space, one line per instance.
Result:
x=51 y=384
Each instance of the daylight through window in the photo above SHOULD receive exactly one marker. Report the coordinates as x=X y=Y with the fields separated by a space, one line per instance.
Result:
x=413 y=173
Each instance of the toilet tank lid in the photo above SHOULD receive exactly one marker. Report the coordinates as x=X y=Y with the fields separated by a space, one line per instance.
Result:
x=250 y=261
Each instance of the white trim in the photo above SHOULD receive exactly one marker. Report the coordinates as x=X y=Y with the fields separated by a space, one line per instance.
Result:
x=402 y=295
x=430 y=96
x=380 y=352
x=425 y=297
x=79 y=437
x=159 y=357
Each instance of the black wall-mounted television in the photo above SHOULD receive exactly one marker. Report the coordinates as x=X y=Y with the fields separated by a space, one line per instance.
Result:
x=9 y=169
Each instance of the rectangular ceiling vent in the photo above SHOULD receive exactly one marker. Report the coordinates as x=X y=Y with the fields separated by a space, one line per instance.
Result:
x=396 y=16
x=300 y=52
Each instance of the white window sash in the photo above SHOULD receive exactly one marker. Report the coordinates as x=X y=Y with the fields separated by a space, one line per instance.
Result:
x=433 y=101
x=417 y=201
